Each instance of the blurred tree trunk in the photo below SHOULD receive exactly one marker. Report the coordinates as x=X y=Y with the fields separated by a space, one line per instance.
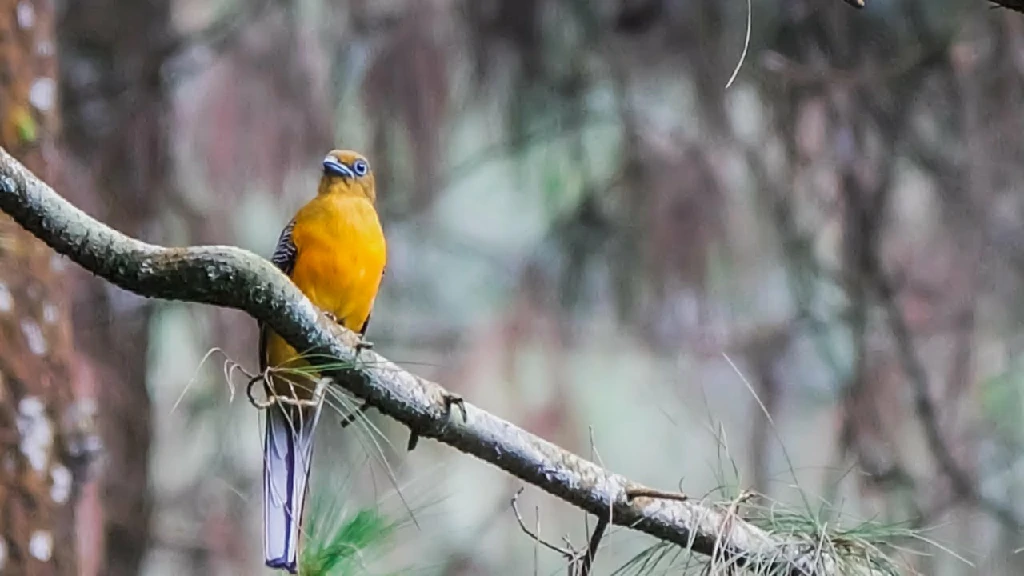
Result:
x=115 y=109
x=36 y=478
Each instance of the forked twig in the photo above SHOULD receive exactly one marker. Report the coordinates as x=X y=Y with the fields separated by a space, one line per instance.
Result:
x=583 y=560
x=568 y=554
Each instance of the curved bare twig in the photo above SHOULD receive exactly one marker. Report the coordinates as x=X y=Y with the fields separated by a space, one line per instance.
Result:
x=235 y=278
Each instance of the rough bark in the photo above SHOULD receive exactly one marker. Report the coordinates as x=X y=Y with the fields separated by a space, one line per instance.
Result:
x=35 y=344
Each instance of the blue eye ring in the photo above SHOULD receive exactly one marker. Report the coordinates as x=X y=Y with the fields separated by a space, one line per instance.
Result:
x=360 y=167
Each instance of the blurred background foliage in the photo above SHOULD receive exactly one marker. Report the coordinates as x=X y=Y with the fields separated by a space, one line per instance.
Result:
x=586 y=231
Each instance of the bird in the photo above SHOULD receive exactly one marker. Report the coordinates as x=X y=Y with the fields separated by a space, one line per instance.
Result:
x=335 y=252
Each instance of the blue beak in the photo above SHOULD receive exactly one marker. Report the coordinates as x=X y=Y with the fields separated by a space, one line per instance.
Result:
x=332 y=166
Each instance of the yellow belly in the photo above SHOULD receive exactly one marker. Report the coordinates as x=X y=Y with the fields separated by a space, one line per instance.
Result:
x=340 y=259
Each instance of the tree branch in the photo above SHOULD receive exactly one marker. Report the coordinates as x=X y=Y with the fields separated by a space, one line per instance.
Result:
x=235 y=278
x=960 y=478
x=1015 y=5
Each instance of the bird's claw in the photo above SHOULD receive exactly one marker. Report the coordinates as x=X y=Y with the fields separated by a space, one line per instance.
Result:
x=363 y=343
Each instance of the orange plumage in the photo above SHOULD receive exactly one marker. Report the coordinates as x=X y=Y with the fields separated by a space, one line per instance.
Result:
x=334 y=251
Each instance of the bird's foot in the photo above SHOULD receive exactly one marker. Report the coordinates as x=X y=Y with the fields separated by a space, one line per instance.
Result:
x=363 y=344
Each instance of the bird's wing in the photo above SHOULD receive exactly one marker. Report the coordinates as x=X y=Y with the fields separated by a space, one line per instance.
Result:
x=284 y=259
x=284 y=253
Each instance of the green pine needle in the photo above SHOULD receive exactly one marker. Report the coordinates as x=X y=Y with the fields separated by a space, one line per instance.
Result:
x=344 y=549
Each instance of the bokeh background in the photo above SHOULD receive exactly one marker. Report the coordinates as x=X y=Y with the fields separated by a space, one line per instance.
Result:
x=589 y=235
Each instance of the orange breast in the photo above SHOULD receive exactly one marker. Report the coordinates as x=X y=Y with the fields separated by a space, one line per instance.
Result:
x=341 y=254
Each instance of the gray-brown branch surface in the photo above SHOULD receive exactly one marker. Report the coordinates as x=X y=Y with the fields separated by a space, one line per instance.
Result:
x=235 y=278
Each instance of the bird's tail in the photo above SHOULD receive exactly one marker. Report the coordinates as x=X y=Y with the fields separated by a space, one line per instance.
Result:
x=287 y=456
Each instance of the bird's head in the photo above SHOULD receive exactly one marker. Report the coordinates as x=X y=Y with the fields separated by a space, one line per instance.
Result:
x=347 y=173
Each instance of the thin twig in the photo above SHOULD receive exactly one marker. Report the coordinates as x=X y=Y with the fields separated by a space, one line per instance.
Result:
x=927 y=412
x=566 y=553
x=746 y=45
x=634 y=493
x=595 y=542
x=584 y=559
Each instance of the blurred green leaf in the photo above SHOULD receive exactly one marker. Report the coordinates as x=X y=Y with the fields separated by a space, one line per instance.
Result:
x=340 y=550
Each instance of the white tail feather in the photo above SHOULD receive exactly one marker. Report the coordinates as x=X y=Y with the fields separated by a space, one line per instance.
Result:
x=287 y=459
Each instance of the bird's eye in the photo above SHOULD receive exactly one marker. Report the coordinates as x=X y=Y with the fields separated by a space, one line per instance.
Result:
x=360 y=167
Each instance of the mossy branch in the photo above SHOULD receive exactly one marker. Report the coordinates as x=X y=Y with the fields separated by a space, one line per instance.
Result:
x=235 y=278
